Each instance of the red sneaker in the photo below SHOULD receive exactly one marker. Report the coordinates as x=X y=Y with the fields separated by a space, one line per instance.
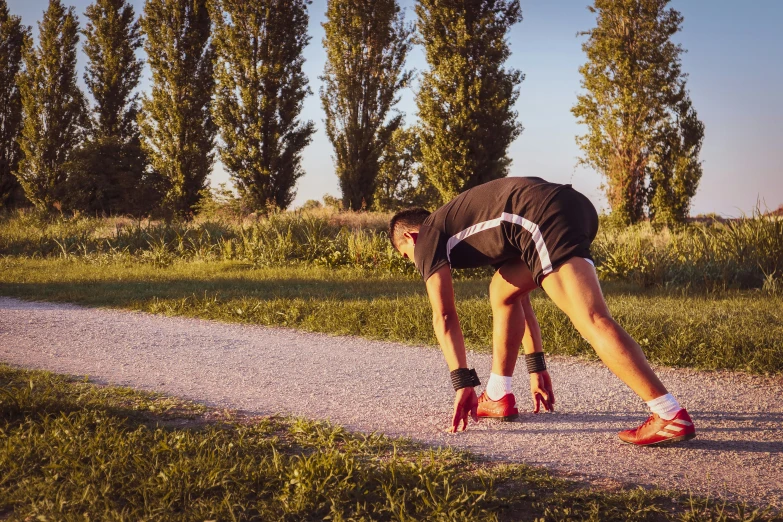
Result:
x=504 y=408
x=656 y=431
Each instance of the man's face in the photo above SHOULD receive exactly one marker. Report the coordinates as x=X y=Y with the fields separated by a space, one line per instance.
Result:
x=407 y=244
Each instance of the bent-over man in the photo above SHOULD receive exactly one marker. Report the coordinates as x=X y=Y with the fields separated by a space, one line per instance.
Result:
x=534 y=233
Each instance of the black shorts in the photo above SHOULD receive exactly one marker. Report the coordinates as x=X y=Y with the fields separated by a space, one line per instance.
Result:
x=568 y=225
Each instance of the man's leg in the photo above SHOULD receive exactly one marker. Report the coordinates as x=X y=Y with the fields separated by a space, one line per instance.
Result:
x=513 y=322
x=509 y=286
x=574 y=288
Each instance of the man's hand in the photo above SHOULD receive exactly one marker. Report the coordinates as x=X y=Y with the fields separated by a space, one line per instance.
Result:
x=541 y=390
x=465 y=403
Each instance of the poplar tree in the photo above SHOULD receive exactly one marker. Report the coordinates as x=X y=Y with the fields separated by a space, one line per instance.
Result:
x=110 y=175
x=401 y=182
x=676 y=171
x=467 y=96
x=176 y=122
x=14 y=37
x=366 y=44
x=397 y=175
x=53 y=106
x=259 y=96
x=642 y=135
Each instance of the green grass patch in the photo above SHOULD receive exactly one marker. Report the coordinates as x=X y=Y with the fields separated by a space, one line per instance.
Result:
x=70 y=450
x=743 y=253
x=738 y=330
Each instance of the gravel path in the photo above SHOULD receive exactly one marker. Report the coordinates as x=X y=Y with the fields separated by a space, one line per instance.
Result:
x=405 y=391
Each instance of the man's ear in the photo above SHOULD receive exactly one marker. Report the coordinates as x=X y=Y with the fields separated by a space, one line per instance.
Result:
x=413 y=236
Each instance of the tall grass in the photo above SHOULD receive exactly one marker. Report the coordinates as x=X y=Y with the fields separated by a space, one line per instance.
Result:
x=319 y=237
x=743 y=253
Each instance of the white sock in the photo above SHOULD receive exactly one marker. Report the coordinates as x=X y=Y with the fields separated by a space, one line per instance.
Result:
x=498 y=386
x=665 y=406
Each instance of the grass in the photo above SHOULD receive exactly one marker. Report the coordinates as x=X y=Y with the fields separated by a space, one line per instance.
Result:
x=738 y=330
x=745 y=253
x=707 y=297
x=71 y=450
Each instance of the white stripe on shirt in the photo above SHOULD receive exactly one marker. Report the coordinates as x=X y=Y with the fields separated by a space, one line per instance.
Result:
x=538 y=238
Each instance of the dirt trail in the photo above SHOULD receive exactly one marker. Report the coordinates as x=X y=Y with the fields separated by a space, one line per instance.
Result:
x=405 y=391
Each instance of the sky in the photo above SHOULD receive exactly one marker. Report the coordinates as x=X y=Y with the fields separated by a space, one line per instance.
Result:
x=735 y=78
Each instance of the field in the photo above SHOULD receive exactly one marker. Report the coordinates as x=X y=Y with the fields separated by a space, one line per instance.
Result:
x=708 y=296
x=740 y=329
x=709 y=256
x=76 y=451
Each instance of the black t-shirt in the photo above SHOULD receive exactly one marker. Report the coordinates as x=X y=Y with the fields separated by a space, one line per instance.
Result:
x=486 y=225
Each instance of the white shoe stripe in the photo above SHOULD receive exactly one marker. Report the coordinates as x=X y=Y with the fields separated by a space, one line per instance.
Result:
x=665 y=434
x=683 y=422
x=672 y=427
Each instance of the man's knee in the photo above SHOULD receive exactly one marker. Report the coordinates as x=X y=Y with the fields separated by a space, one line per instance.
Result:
x=498 y=295
x=503 y=294
x=595 y=323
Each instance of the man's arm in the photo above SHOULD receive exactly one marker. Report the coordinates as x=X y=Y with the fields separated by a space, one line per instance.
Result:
x=440 y=290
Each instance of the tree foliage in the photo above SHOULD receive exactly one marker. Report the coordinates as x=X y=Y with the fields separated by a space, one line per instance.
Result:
x=676 y=171
x=176 y=122
x=642 y=135
x=396 y=185
x=467 y=96
x=14 y=37
x=401 y=183
x=112 y=37
x=109 y=174
x=54 y=109
x=366 y=45
x=259 y=96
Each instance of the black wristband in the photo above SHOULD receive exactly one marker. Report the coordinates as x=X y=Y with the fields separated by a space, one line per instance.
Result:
x=464 y=378
x=535 y=362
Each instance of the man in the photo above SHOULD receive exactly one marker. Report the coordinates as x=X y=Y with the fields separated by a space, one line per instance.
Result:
x=534 y=233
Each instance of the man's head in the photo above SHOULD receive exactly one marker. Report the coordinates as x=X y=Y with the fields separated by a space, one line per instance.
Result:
x=404 y=229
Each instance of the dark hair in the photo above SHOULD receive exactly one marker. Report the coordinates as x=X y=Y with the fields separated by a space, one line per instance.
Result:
x=408 y=220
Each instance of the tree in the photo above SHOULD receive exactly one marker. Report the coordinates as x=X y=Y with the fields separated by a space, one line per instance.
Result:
x=366 y=45
x=259 y=96
x=400 y=180
x=53 y=106
x=466 y=98
x=110 y=172
x=675 y=174
x=632 y=107
x=396 y=185
x=14 y=37
x=176 y=122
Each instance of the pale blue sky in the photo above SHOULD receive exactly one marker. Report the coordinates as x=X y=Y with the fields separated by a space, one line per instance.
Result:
x=735 y=51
